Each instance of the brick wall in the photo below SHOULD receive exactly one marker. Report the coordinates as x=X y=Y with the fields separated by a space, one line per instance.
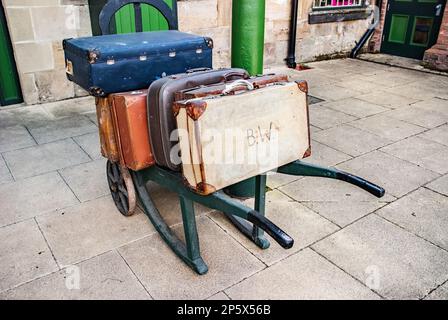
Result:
x=437 y=56
x=375 y=41
x=37 y=28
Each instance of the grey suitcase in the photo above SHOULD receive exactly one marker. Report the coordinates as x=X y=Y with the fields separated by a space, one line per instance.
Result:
x=161 y=96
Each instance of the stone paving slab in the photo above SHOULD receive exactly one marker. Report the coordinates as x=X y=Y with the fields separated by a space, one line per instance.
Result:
x=5 y=175
x=62 y=128
x=439 y=185
x=24 y=254
x=30 y=197
x=419 y=114
x=90 y=143
x=362 y=83
x=44 y=158
x=16 y=137
x=166 y=277
x=105 y=277
x=356 y=107
x=91 y=228
x=397 y=176
x=72 y=107
x=275 y=179
x=389 y=128
x=439 y=135
x=24 y=116
x=427 y=154
x=441 y=293
x=219 y=296
x=393 y=262
x=343 y=213
x=325 y=156
x=331 y=93
x=92 y=116
x=350 y=140
x=305 y=275
x=387 y=99
x=325 y=118
x=423 y=212
x=303 y=225
x=88 y=180
x=411 y=91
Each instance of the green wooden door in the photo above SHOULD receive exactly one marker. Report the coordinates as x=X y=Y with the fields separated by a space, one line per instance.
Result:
x=10 y=92
x=124 y=20
x=411 y=26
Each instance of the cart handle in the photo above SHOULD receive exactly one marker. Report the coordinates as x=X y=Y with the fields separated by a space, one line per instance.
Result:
x=267 y=225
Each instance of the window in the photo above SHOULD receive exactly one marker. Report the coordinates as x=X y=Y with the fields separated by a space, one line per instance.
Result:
x=329 y=4
x=324 y=11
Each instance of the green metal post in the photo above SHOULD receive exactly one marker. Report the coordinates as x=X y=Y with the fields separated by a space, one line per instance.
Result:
x=248 y=35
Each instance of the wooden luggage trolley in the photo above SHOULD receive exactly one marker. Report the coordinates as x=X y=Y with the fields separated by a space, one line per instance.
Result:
x=129 y=186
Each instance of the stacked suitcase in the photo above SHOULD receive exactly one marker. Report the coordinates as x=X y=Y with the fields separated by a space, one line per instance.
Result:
x=143 y=127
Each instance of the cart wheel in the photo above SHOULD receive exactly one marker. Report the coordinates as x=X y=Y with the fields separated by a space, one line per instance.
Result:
x=121 y=187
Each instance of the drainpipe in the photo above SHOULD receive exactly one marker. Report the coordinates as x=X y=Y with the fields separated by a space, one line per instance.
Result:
x=368 y=32
x=291 y=58
x=248 y=35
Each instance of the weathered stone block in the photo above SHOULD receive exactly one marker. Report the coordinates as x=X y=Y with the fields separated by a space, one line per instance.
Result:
x=33 y=57
x=197 y=14
x=53 y=85
x=55 y=23
x=224 y=12
x=19 y=24
x=31 y=3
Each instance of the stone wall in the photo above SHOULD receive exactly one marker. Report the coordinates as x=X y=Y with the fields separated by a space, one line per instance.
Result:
x=38 y=26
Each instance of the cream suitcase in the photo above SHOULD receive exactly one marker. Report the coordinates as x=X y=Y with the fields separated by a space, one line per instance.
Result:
x=234 y=136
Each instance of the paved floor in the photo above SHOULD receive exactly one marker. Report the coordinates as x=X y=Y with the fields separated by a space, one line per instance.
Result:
x=58 y=224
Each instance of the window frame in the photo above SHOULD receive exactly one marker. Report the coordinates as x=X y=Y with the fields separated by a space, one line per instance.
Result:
x=329 y=8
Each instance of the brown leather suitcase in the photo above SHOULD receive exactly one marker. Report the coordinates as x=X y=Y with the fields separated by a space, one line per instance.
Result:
x=218 y=88
x=108 y=141
x=131 y=128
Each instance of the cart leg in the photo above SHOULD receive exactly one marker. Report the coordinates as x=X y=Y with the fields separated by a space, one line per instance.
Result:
x=218 y=201
x=190 y=253
x=300 y=168
x=191 y=234
x=252 y=232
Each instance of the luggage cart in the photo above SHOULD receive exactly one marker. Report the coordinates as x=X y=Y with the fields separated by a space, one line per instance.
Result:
x=129 y=187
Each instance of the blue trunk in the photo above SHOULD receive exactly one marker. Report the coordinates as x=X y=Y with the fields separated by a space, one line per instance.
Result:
x=125 y=62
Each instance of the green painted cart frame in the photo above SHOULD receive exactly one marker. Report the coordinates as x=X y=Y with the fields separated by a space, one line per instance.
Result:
x=129 y=186
x=125 y=185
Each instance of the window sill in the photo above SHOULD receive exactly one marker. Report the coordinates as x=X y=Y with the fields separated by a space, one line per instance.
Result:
x=336 y=15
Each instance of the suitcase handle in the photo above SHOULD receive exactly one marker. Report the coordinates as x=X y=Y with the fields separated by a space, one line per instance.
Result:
x=197 y=70
x=235 y=74
x=230 y=88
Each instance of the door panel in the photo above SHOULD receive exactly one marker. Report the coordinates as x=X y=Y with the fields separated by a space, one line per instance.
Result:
x=411 y=27
x=152 y=19
x=124 y=19
x=399 y=27
x=10 y=92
